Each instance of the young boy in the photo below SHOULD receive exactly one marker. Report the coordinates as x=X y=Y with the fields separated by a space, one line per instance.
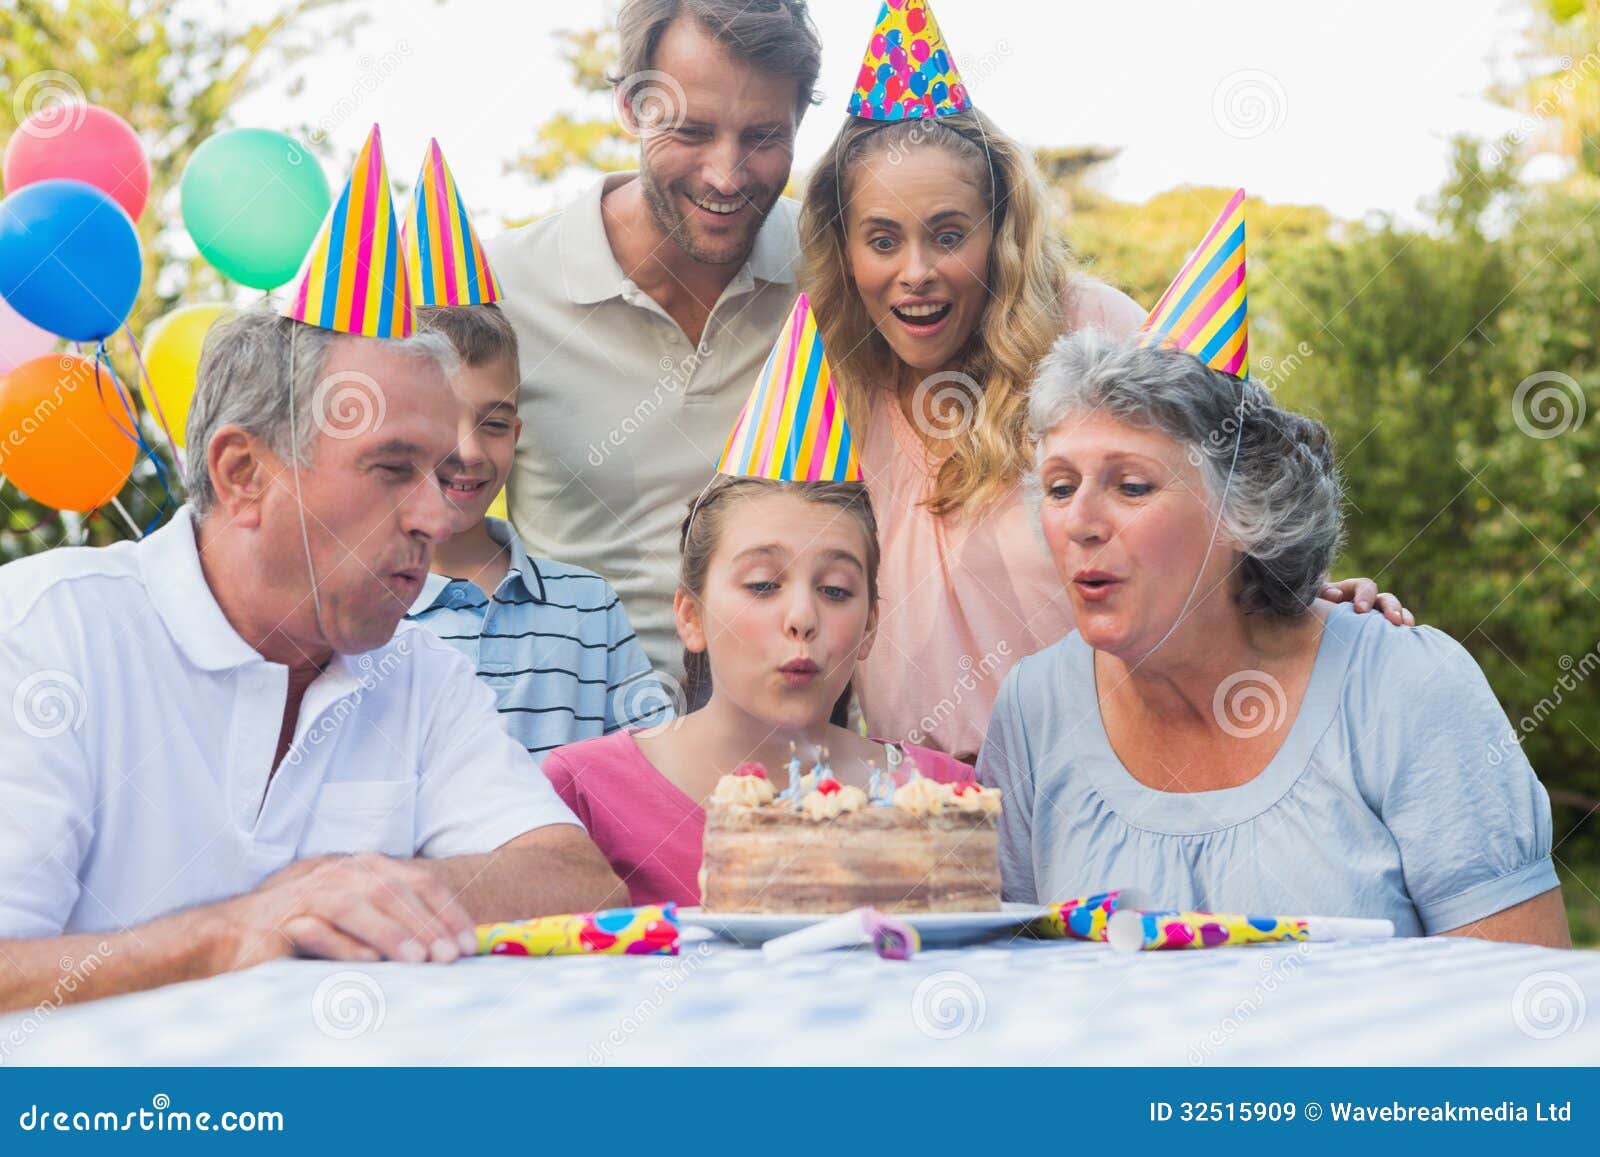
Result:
x=551 y=640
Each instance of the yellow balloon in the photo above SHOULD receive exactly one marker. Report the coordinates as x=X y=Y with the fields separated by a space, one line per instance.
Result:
x=172 y=359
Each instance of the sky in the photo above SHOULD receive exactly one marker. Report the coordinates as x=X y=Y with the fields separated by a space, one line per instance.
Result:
x=1348 y=106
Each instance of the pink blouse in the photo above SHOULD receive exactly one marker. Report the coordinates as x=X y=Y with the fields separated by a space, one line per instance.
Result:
x=645 y=825
x=961 y=601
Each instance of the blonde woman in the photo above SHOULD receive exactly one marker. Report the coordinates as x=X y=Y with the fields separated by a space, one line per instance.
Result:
x=940 y=286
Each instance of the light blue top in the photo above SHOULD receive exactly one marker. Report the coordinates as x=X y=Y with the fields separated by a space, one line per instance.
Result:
x=553 y=644
x=1398 y=792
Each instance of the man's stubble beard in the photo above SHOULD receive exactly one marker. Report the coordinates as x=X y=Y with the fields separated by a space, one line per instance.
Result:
x=663 y=210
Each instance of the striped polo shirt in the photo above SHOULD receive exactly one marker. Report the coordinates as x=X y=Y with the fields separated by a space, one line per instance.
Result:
x=554 y=645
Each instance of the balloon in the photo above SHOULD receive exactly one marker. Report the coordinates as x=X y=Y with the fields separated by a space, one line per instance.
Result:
x=20 y=339
x=253 y=201
x=58 y=443
x=172 y=358
x=69 y=259
x=81 y=142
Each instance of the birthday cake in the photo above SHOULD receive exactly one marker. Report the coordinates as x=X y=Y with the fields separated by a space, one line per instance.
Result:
x=821 y=846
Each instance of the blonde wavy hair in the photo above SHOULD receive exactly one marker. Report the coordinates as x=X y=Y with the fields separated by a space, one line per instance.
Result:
x=1029 y=276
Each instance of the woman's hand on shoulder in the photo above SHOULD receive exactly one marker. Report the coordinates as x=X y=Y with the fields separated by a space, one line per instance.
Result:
x=1363 y=594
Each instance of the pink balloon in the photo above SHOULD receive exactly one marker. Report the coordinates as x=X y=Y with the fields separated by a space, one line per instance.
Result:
x=82 y=142
x=20 y=340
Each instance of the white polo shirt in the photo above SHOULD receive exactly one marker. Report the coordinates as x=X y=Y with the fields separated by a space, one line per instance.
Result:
x=137 y=732
x=624 y=418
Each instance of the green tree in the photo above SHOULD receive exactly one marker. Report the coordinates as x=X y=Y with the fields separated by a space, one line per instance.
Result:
x=1456 y=366
x=174 y=78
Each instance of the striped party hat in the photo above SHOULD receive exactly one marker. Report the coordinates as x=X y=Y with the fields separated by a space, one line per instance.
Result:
x=908 y=71
x=354 y=279
x=1203 y=311
x=443 y=253
x=793 y=427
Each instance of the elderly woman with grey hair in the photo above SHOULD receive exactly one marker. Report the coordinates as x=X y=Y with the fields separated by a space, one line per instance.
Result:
x=1213 y=736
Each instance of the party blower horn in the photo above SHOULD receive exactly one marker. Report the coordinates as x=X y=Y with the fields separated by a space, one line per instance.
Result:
x=892 y=939
x=1133 y=931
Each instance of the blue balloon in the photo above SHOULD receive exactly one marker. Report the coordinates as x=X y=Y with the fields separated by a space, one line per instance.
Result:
x=919 y=83
x=69 y=259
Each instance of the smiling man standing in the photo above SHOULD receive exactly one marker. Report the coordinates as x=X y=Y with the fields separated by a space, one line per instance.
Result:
x=645 y=309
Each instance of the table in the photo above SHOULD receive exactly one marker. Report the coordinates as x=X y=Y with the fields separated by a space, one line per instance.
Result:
x=1423 y=1001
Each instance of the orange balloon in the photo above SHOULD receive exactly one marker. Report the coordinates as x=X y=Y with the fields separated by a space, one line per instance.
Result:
x=58 y=443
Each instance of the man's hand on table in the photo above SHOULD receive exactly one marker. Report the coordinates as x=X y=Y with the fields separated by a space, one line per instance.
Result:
x=364 y=907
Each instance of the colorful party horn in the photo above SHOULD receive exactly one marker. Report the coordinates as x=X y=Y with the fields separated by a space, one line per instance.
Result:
x=648 y=931
x=1131 y=931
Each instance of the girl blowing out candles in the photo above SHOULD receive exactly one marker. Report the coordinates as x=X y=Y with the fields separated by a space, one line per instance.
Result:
x=776 y=604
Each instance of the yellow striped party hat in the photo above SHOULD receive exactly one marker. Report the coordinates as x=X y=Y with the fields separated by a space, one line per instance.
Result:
x=354 y=278
x=1204 y=311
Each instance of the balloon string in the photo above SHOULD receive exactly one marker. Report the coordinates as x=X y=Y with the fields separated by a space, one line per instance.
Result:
x=153 y=398
x=128 y=518
x=101 y=357
x=131 y=434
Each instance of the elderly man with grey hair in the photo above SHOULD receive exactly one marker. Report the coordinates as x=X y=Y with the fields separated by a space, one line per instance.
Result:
x=223 y=749
x=1214 y=737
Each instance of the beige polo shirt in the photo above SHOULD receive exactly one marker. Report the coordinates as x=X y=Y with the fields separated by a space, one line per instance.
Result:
x=623 y=419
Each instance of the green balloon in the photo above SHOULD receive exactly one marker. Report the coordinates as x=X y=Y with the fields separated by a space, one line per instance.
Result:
x=253 y=201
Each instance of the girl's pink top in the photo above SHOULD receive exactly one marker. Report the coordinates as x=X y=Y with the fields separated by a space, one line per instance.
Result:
x=962 y=601
x=645 y=825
